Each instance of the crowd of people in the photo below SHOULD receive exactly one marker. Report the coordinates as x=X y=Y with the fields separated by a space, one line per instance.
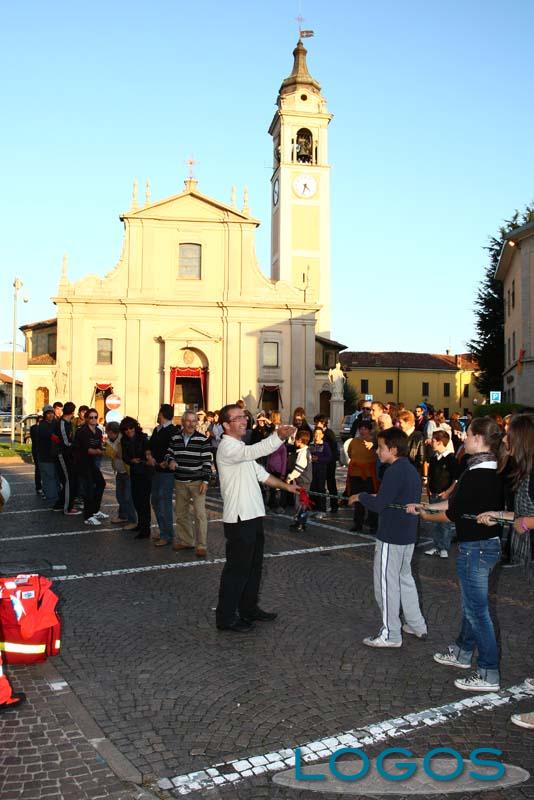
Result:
x=476 y=477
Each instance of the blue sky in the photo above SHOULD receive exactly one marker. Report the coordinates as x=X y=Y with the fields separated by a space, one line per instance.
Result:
x=430 y=145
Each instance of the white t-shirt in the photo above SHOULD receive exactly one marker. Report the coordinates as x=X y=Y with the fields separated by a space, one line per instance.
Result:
x=239 y=475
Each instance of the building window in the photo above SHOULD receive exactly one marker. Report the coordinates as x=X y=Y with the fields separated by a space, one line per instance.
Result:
x=271 y=354
x=513 y=394
x=446 y=411
x=446 y=391
x=389 y=387
x=44 y=344
x=304 y=146
x=329 y=358
x=513 y=347
x=42 y=396
x=189 y=261
x=508 y=351
x=425 y=389
x=466 y=390
x=508 y=301
x=513 y=294
x=104 y=351
x=364 y=386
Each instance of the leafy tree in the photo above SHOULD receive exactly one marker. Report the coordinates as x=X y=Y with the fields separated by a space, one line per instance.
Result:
x=350 y=396
x=488 y=344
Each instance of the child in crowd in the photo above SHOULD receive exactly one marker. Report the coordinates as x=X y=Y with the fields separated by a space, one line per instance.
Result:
x=321 y=456
x=123 y=491
x=276 y=465
x=302 y=476
x=396 y=535
x=362 y=471
x=442 y=476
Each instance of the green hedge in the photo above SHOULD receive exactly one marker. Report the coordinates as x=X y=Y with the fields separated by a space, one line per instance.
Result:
x=7 y=450
x=496 y=409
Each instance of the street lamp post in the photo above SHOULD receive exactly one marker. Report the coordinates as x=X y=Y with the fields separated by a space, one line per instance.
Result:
x=17 y=286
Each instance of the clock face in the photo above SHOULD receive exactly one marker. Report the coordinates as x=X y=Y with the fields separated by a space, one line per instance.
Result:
x=305 y=185
x=276 y=192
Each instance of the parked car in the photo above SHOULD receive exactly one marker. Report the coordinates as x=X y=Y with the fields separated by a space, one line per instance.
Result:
x=22 y=427
x=5 y=421
x=346 y=425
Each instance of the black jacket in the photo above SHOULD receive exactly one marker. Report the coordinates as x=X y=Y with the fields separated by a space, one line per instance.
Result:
x=136 y=447
x=416 y=450
x=159 y=442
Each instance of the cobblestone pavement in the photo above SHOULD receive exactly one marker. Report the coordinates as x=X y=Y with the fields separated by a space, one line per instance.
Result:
x=171 y=695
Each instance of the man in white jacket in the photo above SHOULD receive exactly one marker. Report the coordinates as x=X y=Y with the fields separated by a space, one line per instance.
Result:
x=243 y=513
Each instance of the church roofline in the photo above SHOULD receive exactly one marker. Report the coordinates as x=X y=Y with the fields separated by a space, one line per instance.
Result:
x=140 y=213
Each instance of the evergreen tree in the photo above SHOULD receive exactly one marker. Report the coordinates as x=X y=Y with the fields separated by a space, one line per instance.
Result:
x=488 y=344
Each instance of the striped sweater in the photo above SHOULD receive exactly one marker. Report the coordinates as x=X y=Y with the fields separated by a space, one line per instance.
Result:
x=193 y=461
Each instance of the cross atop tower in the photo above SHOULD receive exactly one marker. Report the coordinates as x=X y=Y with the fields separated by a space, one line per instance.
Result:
x=191 y=182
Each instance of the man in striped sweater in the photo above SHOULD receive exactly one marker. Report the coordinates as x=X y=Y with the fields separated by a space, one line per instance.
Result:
x=189 y=457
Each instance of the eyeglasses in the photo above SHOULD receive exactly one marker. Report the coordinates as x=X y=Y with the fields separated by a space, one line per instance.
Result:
x=241 y=416
x=92 y=416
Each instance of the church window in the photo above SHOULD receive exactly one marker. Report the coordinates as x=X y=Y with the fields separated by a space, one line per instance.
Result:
x=364 y=386
x=425 y=388
x=104 y=351
x=44 y=344
x=304 y=146
x=389 y=386
x=271 y=354
x=189 y=261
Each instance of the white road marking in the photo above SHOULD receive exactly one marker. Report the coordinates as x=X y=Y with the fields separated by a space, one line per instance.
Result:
x=204 y=563
x=87 y=529
x=232 y=772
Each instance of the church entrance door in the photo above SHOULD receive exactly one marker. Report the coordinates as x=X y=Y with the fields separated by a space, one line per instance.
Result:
x=188 y=389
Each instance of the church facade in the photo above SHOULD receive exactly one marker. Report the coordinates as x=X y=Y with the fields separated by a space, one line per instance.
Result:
x=186 y=316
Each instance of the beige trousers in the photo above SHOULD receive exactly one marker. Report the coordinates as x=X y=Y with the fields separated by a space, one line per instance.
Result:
x=188 y=494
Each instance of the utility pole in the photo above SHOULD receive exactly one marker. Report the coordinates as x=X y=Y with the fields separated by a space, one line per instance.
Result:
x=17 y=286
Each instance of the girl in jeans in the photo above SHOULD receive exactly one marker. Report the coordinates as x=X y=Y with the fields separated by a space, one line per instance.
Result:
x=479 y=550
x=520 y=446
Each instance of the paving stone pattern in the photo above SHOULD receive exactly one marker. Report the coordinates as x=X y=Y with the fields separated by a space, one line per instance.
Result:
x=174 y=695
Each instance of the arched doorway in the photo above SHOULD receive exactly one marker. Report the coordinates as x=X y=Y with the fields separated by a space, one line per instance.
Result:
x=42 y=398
x=189 y=381
x=102 y=390
x=324 y=402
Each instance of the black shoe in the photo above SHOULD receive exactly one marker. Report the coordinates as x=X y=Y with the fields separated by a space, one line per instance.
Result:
x=142 y=535
x=238 y=626
x=259 y=615
x=297 y=528
x=355 y=529
x=57 y=508
x=19 y=698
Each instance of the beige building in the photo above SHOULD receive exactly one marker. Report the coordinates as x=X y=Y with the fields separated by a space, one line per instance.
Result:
x=186 y=316
x=516 y=271
x=445 y=381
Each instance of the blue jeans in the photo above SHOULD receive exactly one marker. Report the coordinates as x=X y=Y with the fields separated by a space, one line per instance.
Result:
x=474 y=563
x=123 y=493
x=442 y=532
x=49 y=481
x=161 y=498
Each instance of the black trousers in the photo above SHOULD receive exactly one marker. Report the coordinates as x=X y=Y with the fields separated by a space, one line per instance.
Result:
x=358 y=485
x=37 y=472
x=318 y=484
x=241 y=575
x=331 y=484
x=141 y=488
x=93 y=485
x=67 y=480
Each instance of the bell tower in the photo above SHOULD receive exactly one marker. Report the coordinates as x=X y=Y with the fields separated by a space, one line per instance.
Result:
x=300 y=188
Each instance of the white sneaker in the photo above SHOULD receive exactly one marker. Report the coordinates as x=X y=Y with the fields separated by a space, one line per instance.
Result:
x=101 y=515
x=476 y=683
x=432 y=552
x=378 y=641
x=407 y=629
x=523 y=720
x=319 y=515
x=449 y=659
x=93 y=521
x=443 y=553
